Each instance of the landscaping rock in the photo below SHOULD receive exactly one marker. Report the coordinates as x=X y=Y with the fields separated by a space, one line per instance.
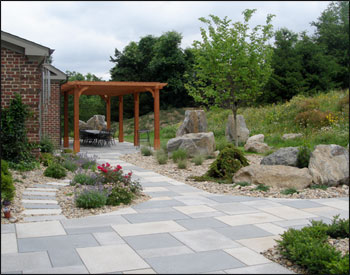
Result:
x=242 y=130
x=291 y=136
x=284 y=156
x=329 y=165
x=83 y=125
x=256 y=138
x=195 y=122
x=256 y=147
x=193 y=143
x=97 y=122
x=275 y=176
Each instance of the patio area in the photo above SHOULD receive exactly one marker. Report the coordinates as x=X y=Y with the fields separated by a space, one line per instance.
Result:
x=182 y=229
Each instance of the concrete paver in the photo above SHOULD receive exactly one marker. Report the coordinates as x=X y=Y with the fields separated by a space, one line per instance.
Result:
x=182 y=229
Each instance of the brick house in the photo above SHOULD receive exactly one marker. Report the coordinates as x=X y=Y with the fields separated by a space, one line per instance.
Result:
x=25 y=69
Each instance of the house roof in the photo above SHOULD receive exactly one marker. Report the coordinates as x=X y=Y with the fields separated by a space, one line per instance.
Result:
x=55 y=74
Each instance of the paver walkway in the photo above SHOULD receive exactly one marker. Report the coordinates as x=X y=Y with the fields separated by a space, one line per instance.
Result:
x=182 y=229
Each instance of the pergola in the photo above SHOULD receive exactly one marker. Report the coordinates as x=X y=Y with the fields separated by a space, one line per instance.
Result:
x=106 y=90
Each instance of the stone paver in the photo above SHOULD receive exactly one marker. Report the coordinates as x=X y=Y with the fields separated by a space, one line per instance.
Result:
x=182 y=229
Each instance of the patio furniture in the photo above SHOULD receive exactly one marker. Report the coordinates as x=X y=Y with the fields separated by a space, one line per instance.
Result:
x=144 y=131
x=96 y=137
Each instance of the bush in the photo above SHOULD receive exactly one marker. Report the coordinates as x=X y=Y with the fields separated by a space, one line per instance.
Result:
x=318 y=186
x=243 y=183
x=46 y=145
x=179 y=154
x=146 y=151
x=303 y=156
x=91 y=199
x=198 y=160
x=55 y=170
x=308 y=104
x=120 y=195
x=24 y=165
x=7 y=186
x=289 y=191
x=85 y=161
x=162 y=157
x=313 y=118
x=70 y=165
x=67 y=151
x=262 y=187
x=46 y=158
x=338 y=228
x=84 y=179
x=182 y=164
x=228 y=162
x=343 y=104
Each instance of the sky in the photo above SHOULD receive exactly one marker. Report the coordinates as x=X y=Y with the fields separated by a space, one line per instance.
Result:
x=85 y=34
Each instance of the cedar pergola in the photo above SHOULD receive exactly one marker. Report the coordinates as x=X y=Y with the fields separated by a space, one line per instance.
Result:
x=106 y=90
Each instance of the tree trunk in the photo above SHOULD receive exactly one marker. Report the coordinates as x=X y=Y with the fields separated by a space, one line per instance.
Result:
x=235 y=136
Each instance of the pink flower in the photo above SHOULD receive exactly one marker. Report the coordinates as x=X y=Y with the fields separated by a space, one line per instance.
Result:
x=103 y=165
x=107 y=164
x=99 y=167
x=130 y=173
x=119 y=167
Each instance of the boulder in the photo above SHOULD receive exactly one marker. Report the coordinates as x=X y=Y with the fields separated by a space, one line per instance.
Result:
x=256 y=147
x=280 y=176
x=193 y=143
x=195 y=122
x=83 y=125
x=242 y=130
x=284 y=156
x=329 y=165
x=291 y=136
x=256 y=138
x=97 y=122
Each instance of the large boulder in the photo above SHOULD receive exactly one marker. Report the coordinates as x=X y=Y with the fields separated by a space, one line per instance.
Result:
x=242 y=130
x=83 y=125
x=291 y=136
x=284 y=156
x=193 y=143
x=256 y=147
x=329 y=165
x=195 y=122
x=256 y=138
x=280 y=176
x=97 y=122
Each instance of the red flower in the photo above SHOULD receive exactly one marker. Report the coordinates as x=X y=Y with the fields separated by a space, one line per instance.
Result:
x=119 y=167
x=107 y=164
x=103 y=165
x=130 y=173
x=126 y=176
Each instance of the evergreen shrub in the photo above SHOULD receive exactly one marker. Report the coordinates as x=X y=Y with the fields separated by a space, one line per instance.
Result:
x=7 y=186
x=55 y=170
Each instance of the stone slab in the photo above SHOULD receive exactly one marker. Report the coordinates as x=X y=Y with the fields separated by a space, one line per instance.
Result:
x=77 y=269
x=41 y=189
x=42 y=212
x=152 y=241
x=155 y=189
x=227 y=199
x=8 y=243
x=87 y=230
x=328 y=212
x=235 y=208
x=126 y=230
x=64 y=257
x=192 y=209
x=94 y=221
x=201 y=223
x=59 y=183
x=287 y=223
x=271 y=268
x=40 y=201
x=260 y=244
x=247 y=256
x=108 y=238
x=158 y=204
x=44 y=218
x=271 y=228
x=165 y=251
x=242 y=232
x=261 y=204
x=251 y=218
x=39 y=229
x=290 y=213
x=339 y=204
x=46 y=186
x=38 y=193
x=40 y=206
x=8 y=228
x=195 y=200
x=27 y=197
x=204 y=240
x=301 y=204
x=153 y=217
x=22 y=261
x=111 y=258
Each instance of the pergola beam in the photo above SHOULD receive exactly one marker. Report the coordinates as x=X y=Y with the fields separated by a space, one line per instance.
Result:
x=136 y=118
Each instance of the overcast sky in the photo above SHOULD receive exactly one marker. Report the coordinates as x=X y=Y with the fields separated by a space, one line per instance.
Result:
x=84 y=34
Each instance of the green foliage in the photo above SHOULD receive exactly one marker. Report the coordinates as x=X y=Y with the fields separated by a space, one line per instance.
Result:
x=182 y=164
x=14 y=142
x=228 y=162
x=289 y=191
x=24 y=165
x=67 y=151
x=91 y=199
x=7 y=187
x=70 y=165
x=46 y=158
x=262 y=187
x=84 y=179
x=161 y=156
x=46 y=145
x=55 y=170
x=243 y=183
x=179 y=154
x=314 y=118
x=119 y=195
x=318 y=186
x=339 y=228
x=146 y=151
x=198 y=160
x=308 y=248
x=303 y=156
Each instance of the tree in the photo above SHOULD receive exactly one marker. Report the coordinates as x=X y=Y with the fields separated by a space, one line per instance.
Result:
x=232 y=63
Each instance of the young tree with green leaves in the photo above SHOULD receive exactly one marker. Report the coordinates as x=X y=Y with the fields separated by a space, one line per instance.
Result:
x=232 y=63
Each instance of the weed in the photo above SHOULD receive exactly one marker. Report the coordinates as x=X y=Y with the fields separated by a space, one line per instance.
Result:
x=198 y=160
x=146 y=151
x=318 y=186
x=179 y=154
x=162 y=157
x=243 y=183
x=182 y=164
x=289 y=191
x=262 y=187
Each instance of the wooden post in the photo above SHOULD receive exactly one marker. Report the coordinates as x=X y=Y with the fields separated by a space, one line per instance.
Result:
x=65 y=134
x=76 y=144
x=156 y=120
x=121 y=133
x=108 y=112
x=136 y=119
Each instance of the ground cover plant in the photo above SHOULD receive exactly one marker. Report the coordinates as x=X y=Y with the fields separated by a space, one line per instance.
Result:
x=7 y=187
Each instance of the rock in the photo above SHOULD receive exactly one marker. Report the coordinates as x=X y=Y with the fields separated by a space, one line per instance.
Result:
x=291 y=136
x=329 y=165
x=195 y=122
x=242 y=130
x=83 y=125
x=256 y=138
x=97 y=122
x=284 y=156
x=193 y=143
x=280 y=176
x=256 y=147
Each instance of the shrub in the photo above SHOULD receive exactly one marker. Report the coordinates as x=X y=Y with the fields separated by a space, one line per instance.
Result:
x=318 y=186
x=55 y=170
x=182 y=164
x=228 y=162
x=314 y=118
x=262 y=187
x=243 y=183
x=308 y=104
x=24 y=165
x=70 y=165
x=91 y=199
x=338 y=228
x=119 y=195
x=340 y=266
x=46 y=145
x=85 y=161
x=343 y=104
x=146 y=151
x=198 y=160
x=289 y=191
x=162 y=157
x=67 y=151
x=84 y=179
x=179 y=154
x=46 y=158
x=7 y=186
x=303 y=156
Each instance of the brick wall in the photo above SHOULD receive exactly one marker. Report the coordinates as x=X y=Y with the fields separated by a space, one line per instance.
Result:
x=19 y=75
